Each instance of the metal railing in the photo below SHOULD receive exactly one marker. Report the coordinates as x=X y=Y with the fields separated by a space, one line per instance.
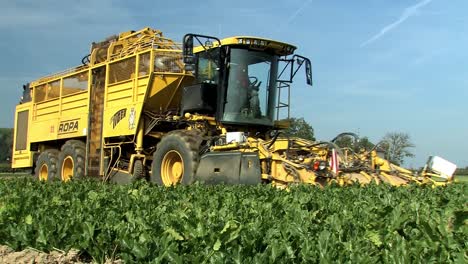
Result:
x=149 y=39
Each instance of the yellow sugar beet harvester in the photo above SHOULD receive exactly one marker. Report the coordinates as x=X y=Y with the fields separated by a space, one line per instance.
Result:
x=144 y=106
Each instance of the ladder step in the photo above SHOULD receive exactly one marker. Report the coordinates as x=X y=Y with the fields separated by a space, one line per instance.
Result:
x=94 y=137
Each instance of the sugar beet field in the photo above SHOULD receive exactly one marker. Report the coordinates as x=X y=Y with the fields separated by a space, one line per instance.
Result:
x=236 y=224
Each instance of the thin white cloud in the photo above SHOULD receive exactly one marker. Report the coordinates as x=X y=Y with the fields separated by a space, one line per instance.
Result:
x=293 y=16
x=407 y=13
x=298 y=11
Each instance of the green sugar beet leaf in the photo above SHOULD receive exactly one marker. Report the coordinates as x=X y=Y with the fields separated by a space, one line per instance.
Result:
x=142 y=223
x=28 y=220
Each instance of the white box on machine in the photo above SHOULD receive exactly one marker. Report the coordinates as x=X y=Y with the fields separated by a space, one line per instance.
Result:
x=238 y=137
x=442 y=166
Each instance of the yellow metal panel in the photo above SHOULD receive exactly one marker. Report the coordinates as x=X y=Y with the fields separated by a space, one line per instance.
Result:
x=123 y=106
x=120 y=120
x=60 y=118
x=75 y=110
x=77 y=107
x=43 y=130
x=45 y=110
x=45 y=116
x=161 y=83
x=164 y=91
x=71 y=127
x=120 y=93
x=280 y=144
x=140 y=95
x=122 y=112
x=77 y=98
x=22 y=159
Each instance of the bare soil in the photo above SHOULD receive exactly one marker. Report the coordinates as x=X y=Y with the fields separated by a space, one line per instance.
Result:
x=29 y=255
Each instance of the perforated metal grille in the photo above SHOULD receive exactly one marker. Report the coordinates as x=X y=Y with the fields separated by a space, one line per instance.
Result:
x=168 y=62
x=53 y=90
x=122 y=70
x=47 y=91
x=76 y=83
x=40 y=93
x=144 y=64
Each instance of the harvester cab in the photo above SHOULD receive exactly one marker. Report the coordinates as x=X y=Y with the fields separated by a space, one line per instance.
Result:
x=238 y=82
x=237 y=78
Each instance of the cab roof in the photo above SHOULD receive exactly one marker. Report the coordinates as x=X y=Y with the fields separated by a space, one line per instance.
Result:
x=276 y=47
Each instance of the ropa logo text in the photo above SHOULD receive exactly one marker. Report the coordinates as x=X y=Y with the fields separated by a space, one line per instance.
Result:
x=70 y=126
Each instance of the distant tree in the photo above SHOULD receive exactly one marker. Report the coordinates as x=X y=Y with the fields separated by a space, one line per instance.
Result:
x=355 y=144
x=461 y=171
x=396 y=146
x=300 y=128
x=364 y=143
x=6 y=144
x=345 y=142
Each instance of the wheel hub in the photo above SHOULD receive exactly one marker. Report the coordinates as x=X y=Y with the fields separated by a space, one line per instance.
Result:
x=172 y=168
x=67 y=169
x=44 y=172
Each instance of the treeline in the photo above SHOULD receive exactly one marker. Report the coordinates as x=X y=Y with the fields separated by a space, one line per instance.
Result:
x=462 y=171
x=6 y=143
x=299 y=128
x=6 y=168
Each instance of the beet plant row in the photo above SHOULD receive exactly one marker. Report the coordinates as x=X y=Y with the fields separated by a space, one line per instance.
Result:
x=260 y=224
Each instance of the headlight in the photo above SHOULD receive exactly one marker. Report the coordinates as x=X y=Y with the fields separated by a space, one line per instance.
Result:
x=322 y=165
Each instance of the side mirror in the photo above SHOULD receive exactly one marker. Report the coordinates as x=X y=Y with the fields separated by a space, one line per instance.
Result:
x=187 y=48
x=309 y=72
x=292 y=66
x=308 y=67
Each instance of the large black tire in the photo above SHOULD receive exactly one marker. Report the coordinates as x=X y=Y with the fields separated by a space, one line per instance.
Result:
x=46 y=165
x=138 y=171
x=72 y=160
x=176 y=158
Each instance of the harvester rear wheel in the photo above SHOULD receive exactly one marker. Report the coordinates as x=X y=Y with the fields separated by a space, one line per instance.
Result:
x=72 y=160
x=176 y=158
x=46 y=165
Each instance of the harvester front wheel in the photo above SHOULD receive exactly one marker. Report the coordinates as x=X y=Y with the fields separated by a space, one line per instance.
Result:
x=138 y=171
x=46 y=165
x=72 y=160
x=176 y=158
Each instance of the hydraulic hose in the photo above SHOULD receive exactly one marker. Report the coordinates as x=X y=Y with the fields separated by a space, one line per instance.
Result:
x=330 y=145
x=85 y=60
x=376 y=145
x=275 y=137
x=356 y=137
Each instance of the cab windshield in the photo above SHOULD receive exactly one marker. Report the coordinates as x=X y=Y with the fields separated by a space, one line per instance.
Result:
x=251 y=87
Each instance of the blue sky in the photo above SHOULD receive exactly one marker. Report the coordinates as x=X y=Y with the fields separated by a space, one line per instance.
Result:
x=379 y=66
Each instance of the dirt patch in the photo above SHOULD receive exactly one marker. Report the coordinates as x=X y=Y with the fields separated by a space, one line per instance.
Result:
x=7 y=255
x=31 y=256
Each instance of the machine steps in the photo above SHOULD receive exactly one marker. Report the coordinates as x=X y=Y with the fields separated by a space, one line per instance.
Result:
x=94 y=138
